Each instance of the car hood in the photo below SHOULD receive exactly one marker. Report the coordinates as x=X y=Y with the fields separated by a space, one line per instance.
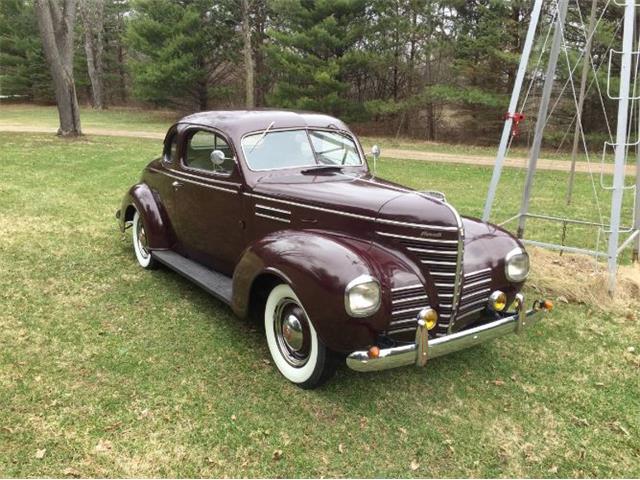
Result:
x=365 y=195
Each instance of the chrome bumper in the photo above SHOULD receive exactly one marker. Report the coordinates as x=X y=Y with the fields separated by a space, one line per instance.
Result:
x=424 y=349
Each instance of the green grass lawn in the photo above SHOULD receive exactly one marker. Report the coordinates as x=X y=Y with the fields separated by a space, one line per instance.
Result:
x=109 y=370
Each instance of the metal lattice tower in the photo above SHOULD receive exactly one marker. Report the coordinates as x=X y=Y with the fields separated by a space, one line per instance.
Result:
x=613 y=227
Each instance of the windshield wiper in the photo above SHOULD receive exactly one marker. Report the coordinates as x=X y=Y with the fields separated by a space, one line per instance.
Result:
x=322 y=168
x=264 y=134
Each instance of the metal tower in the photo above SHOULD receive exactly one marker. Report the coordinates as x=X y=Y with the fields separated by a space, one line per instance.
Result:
x=613 y=228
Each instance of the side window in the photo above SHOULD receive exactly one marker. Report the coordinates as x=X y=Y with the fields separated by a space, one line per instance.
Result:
x=200 y=153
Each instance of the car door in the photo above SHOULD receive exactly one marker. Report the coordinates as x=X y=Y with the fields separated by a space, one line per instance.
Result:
x=210 y=227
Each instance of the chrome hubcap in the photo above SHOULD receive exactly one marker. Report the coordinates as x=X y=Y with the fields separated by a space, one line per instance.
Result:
x=291 y=330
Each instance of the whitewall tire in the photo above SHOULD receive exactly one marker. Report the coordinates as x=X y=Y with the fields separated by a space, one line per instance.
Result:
x=297 y=352
x=140 y=243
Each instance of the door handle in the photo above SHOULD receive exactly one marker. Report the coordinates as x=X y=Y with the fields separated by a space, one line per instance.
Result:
x=176 y=185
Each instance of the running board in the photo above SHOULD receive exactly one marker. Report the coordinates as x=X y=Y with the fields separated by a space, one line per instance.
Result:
x=215 y=283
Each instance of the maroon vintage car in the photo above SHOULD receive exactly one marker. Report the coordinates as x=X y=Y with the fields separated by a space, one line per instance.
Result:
x=277 y=214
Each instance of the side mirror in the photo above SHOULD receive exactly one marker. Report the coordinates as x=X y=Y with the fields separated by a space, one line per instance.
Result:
x=375 y=153
x=217 y=158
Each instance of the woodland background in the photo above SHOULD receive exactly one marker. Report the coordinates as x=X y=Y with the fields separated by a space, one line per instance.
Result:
x=427 y=69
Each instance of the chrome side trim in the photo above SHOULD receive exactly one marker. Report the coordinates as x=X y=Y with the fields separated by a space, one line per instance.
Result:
x=408 y=287
x=346 y=214
x=409 y=299
x=311 y=207
x=271 y=217
x=417 y=225
x=215 y=180
x=478 y=282
x=273 y=209
x=407 y=310
x=476 y=272
x=435 y=252
x=402 y=322
x=475 y=294
x=434 y=262
x=208 y=185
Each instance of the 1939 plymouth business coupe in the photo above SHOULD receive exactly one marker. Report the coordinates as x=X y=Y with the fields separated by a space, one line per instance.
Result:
x=277 y=214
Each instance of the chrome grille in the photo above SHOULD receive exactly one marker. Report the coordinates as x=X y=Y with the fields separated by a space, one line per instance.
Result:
x=475 y=293
x=406 y=302
x=439 y=258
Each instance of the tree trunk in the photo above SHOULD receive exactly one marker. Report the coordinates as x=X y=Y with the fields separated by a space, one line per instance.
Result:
x=92 y=15
x=259 y=36
x=56 y=22
x=248 y=56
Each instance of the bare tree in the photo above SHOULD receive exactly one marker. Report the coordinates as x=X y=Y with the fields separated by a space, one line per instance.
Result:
x=92 y=16
x=56 y=20
x=248 y=56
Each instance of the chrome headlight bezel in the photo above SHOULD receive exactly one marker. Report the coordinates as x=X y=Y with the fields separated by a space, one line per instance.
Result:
x=356 y=286
x=510 y=263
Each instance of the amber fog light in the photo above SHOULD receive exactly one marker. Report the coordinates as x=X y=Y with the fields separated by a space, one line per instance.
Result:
x=429 y=316
x=498 y=301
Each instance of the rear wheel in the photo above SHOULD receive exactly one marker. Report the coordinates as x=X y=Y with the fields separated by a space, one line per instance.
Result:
x=293 y=342
x=141 y=244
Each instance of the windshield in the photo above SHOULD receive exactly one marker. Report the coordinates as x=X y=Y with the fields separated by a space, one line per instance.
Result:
x=299 y=148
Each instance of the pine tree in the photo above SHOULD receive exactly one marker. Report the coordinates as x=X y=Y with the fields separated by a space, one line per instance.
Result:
x=23 y=68
x=310 y=54
x=181 y=52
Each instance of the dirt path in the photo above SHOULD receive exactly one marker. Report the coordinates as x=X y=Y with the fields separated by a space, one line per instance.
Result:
x=399 y=154
x=107 y=132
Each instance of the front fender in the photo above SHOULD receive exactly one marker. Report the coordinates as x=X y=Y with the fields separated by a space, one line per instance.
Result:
x=318 y=266
x=154 y=216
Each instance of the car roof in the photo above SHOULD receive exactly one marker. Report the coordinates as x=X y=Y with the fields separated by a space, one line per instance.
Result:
x=240 y=122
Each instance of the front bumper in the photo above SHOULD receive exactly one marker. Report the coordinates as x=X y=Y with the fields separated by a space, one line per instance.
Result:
x=423 y=349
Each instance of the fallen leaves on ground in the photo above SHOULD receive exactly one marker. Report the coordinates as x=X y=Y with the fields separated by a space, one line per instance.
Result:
x=103 y=446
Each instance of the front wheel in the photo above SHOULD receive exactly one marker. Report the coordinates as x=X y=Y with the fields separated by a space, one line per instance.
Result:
x=293 y=342
x=140 y=243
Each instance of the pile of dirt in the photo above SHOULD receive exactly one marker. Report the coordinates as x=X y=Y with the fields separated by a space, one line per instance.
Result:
x=575 y=279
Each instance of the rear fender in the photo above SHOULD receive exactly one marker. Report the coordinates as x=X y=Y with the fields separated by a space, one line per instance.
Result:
x=154 y=217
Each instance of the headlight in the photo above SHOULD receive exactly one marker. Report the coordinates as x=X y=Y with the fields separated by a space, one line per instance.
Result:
x=517 y=265
x=362 y=296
